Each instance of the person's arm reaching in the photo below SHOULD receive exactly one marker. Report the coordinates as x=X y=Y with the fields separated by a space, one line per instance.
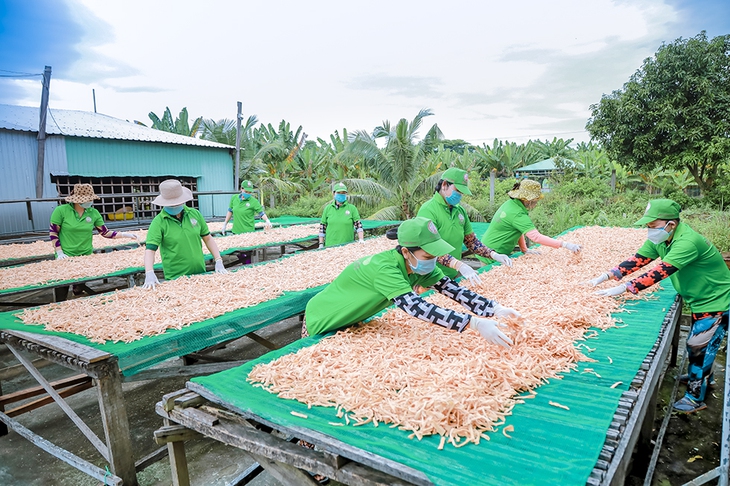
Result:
x=213 y=249
x=541 y=239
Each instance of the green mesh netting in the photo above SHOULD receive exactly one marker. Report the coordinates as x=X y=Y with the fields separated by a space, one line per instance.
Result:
x=148 y=351
x=549 y=445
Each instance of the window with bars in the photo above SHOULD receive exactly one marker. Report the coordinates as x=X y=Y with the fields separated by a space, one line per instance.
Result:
x=125 y=205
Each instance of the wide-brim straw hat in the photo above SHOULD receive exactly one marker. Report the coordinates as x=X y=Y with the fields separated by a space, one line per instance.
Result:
x=529 y=190
x=82 y=193
x=172 y=193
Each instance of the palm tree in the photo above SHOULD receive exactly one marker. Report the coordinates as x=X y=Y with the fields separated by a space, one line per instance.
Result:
x=398 y=166
x=224 y=131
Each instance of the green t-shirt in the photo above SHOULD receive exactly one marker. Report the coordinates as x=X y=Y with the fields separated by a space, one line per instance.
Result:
x=509 y=223
x=244 y=212
x=179 y=242
x=703 y=279
x=453 y=225
x=340 y=223
x=76 y=233
x=363 y=289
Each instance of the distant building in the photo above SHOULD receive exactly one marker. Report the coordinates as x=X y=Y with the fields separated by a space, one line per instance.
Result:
x=115 y=156
x=544 y=168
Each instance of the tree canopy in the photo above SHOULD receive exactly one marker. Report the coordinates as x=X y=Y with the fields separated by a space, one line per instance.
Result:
x=673 y=113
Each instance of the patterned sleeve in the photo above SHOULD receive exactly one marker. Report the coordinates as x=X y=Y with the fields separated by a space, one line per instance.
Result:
x=477 y=247
x=322 y=229
x=477 y=304
x=656 y=274
x=358 y=226
x=446 y=260
x=106 y=232
x=413 y=304
x=629 y=266
x=53 y=232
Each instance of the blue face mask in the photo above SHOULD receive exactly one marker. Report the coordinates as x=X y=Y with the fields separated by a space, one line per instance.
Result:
x=454 y=199
x=423 y=267
x=340 y=198
x=658 y=235
x=86 y=205
x=174 y=210
x=245 y=195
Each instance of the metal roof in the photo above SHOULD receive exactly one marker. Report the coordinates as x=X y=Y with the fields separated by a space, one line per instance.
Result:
x=73 y=123
x=546 y=165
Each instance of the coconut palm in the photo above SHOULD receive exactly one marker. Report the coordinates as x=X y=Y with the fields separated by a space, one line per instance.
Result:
x=403 y=180
x=224 y=131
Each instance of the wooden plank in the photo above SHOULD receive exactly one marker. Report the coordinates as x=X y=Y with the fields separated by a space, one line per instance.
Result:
x=80 y=424
x=169 y=399
x=174 y=433
x=16 y=370
x=247 y=476
x=182 y=371
x=66 y=392
x=336 y=446
x=3 y=427
x=39 y=390
x=178 y=464
x=616 y=473
x=284 y=473
x=61 y=345
x=59 y=453
x=262 y=341
x=116 y=424
x=150 y=459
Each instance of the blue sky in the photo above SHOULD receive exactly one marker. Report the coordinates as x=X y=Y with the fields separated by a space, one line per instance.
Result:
x=517 y=70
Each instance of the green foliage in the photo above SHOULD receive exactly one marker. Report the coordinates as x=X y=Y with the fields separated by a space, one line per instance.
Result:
x=179 y=125
x=305 y=207
x=674 y=112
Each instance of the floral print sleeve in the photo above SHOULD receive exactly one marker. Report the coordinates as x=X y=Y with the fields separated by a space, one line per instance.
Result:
x=656 y=274
x=629 y=266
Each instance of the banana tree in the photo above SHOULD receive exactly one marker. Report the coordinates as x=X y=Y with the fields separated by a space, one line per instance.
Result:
x=179 y=125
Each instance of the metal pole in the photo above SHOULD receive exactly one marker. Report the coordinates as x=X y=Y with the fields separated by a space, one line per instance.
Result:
x=613 y=180
x=93 y=94
x=725 y=447
x=238 y=145
x=492 y=176
x=39 y=174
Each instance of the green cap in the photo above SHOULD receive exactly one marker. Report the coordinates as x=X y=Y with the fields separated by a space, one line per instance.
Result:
x=459 y=178
x=659 y=209
x=247 y=185
x=421 y=232
x=339 y=187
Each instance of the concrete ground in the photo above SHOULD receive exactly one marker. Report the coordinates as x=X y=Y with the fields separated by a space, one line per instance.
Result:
x=210 y=463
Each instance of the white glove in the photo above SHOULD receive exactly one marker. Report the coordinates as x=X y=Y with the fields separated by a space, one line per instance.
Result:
x=60 y=255
x=150 y=280
x=321 y=245
x=469 y=273
x=490 y=331
x=361 y=241
x=613 y=291
x=268 y=225
x=530 y=251
x=219 y=268
x=598 y=280
x=500 y=258
x=571 y=246
x=502 y=311
x=128 y=235
x=223 y=231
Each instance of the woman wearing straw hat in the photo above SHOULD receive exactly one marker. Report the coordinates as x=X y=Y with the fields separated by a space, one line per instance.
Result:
x=372 y=283
x=73 y=224
x=244 y=209
x=698 y=273
x=454 y=224
x=340 y=220
x=177 y=231
x=511 y=223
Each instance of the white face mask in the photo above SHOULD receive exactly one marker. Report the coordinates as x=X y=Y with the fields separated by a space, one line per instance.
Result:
x=658 y=235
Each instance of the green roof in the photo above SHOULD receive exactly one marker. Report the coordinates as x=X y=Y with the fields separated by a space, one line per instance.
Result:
x=547 y=165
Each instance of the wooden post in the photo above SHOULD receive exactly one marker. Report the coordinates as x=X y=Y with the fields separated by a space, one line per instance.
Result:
x=492 y=177
x=39 y=174
x=238 y=145
x=3 y=426
x=613 y=180
x=116 y=424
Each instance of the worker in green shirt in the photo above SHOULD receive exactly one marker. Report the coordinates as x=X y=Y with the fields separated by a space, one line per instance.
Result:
x=454 y=225
x=73 y=224
x=372 y=283
x=340 y=220
x=511 y=223
x=698 y=273
x=177 y=231
x=244 y=209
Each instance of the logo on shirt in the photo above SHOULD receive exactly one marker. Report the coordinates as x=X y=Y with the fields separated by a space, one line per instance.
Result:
x=248 y=205
x=466 y=179
x=648 y=207
x=347 y=212
x=88 y=219
x=461 y=218
x=503 y=215
x=193 y=221
x=432 y=228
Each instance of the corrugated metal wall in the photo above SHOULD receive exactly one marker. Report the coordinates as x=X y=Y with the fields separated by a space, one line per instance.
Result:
x=104 y=158
x=18 y=160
